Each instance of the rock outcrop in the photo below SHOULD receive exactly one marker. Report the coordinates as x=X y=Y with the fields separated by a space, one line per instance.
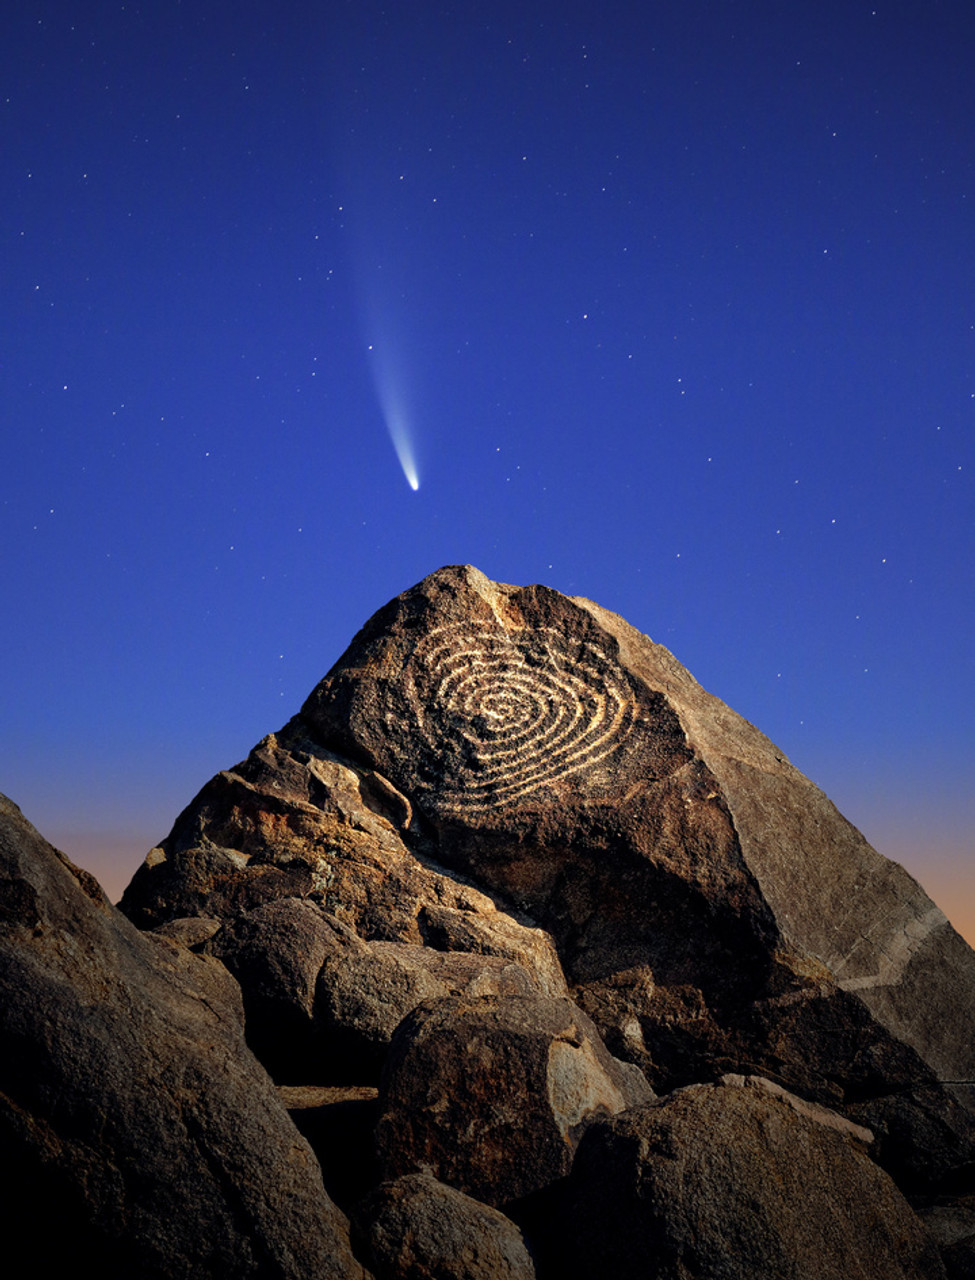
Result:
x=138 y=1135
x=574 y=767
x=511 y=864
x=320 y=999
x=491 y=770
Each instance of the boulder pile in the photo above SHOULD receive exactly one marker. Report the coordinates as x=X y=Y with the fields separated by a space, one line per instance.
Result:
x=557 y=963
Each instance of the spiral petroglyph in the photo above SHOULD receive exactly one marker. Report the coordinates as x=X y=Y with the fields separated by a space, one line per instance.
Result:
x=528 y=715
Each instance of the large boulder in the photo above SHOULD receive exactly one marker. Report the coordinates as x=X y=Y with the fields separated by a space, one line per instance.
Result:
x=296 y=821
x=416 y=1228
x=712 y=909
x=492 y=1094
x=139 y=1135
x=734 y=1179
x=276 y=952
x=951 y=1225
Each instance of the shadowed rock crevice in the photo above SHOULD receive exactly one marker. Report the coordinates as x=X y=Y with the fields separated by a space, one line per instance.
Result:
x=775 y=1188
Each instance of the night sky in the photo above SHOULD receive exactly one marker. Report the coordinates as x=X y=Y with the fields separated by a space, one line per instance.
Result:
x=667 y=305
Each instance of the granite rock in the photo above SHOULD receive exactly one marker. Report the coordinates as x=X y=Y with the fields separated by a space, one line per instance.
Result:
x=734 y=1179
x=322 y=1004
x=493 y=1093
x=131 y=1111
x=502 y=800
x=711 y=908
x=951 y=1223
x=296 y=821
x=416 y=1228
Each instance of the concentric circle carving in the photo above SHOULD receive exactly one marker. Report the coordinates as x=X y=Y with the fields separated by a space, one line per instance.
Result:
x=523 y=713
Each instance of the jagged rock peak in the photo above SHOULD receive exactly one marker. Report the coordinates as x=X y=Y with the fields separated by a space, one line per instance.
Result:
x=549 y=745
x=554 y=958
x=510 y=772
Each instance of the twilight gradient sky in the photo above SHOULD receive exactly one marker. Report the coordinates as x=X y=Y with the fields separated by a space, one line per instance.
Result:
x=669 y=305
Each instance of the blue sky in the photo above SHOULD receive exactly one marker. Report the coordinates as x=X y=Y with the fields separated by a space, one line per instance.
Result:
x=672 y=306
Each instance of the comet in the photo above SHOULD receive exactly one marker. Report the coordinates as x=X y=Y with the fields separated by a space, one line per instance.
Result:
x=395 y=415
x=397 y=424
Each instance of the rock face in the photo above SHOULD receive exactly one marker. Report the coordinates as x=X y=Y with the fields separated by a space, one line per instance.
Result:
x=138 y=1134
x=320 y=1001
x=505 y=809
x=573 y=766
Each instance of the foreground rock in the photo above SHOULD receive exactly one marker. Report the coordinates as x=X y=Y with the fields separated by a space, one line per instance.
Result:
x=737 y=1179
x=294 y=820
x=139 y=1136
x=493 y=1094
x=300 y=881
x=416 y=1228
x=951 y=1225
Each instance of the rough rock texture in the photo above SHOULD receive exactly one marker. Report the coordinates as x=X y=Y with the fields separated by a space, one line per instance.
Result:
x=737 y=1179
x=368 y=993
x=294 y=820
x=133 y=1119
x=322 y=1004
x=504 y=794
x=951 y=1224
x=712 y=909
x=416 y=1228
x=921 y=1138
x=275 y=952
x=492 y=1094
x=485 y=760
x=574 y=767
